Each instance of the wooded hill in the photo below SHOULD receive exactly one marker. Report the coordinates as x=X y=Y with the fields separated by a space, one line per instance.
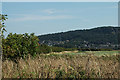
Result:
x=100 y=37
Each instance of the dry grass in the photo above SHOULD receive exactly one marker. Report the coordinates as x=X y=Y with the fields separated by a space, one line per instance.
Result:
x=65 y=66
x=63 y=52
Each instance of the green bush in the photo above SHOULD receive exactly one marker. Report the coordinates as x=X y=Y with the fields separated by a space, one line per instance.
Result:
x=19 y=45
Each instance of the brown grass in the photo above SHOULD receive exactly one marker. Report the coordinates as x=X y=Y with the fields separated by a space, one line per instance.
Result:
x=52 y=66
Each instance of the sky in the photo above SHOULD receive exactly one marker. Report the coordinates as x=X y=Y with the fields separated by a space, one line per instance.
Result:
x=60 y=0
x=52 y=17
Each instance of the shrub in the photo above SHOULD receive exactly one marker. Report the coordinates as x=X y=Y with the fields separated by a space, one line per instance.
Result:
x=19 y=45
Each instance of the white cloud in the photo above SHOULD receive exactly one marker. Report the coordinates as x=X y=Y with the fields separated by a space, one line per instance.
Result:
x=40 y=17
x=49 y=11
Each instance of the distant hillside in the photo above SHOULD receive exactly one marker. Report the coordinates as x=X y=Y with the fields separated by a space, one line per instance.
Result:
x=101 y=37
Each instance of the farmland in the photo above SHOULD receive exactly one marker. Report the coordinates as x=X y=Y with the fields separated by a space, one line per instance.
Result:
x=67 y=64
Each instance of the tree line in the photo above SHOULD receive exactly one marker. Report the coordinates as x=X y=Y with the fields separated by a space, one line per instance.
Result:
x=93 y=38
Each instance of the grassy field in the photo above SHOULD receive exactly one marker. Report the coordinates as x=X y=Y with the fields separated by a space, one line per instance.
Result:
x=85 y=53
x=84 y=64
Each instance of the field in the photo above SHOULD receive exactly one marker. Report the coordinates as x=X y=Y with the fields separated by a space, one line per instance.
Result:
x=67 y=64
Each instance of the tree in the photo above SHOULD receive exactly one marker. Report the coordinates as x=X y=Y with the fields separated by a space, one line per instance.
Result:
x=2 y=29
x=3 y=18
x=20 y=45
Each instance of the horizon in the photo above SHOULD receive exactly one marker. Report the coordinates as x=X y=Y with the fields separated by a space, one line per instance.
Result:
x=46 y=18
x=69 y=30
x=76 y=30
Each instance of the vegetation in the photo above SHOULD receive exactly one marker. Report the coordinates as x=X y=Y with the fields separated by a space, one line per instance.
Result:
x=96 y=38
x=19 y=45
x=2 y=24
x=63 y=66
x=43 y=48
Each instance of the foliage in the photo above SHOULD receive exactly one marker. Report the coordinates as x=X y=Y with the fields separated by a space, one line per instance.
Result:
x=43 y=49
x=2 y=29
x=96 y=38
x=2 y=24
x=19 y=45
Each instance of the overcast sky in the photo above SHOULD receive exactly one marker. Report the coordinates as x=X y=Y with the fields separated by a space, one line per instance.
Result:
x=52 y=17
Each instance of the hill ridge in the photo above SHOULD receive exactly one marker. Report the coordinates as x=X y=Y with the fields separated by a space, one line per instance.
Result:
x=93 y=38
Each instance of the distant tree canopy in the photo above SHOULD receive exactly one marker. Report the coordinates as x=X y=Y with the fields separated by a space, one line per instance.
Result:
x=90 y=38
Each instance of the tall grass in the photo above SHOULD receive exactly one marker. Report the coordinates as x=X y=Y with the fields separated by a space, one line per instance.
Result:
x=62 y=66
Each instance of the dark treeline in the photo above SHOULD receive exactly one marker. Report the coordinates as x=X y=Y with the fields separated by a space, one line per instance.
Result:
x=96 y=38
x=43 y=48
